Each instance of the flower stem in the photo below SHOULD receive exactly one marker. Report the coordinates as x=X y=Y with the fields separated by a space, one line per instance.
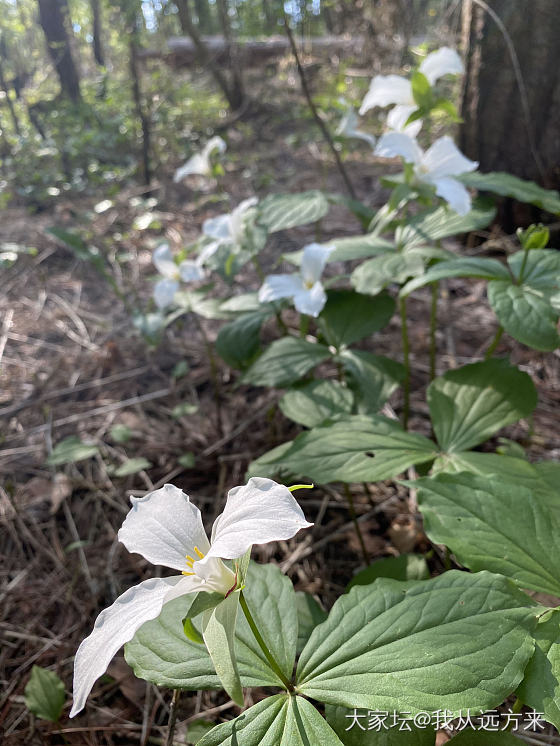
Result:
x=172 y=717
x=495 y=342
x=352 y=512
x=523 y=265
x=263 y=646
x=303 y=325
x=433 y=327
x=406 y=361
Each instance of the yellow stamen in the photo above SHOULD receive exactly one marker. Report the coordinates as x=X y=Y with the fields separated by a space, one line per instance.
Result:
x=199 y=553
x=184 y=572
x=190 y=560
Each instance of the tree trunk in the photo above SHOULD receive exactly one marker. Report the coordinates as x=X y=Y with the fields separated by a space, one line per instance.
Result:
x=188 y=27
x=511 y=92
x=236 y=87
x=96 y=32
x=203 y=15
x=54 y=16
x=140 y=113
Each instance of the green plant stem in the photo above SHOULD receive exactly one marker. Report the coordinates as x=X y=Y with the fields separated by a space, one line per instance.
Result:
x=303 y=325
x=406 y=362
x=172 y=717
x=495 y=342
x=263 y=646
x=352 y=511
x=523 y=265
x=433 y=327
x=281 y=325
x=214 y=375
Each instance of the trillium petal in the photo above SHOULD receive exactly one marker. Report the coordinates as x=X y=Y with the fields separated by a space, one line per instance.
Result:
x=311 y=301
x=279 y=286
x=454 y=193
x=164 y=292
x=191 y=271
x=257 y=513
x=197 y=164
x=113 y=627
x=444 y=158
x=218 y=227
x=164 y=526
x=348 y=128
x=398 y=117
x=444 y=61
x=214 y=144
x=209 y=250
x=393 y=144
x=385 y=90
x=315 y=256
x=163 y=261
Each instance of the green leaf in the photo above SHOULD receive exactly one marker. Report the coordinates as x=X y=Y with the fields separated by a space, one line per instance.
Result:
x=355 y=449
x=187 y=460
x=277 y=212
x=396 y=267
x=525 y=314
x=529 y=309
x=184 y=409
x=372 y=377
x=421 y=90
x=242 y=303
x=44 y=694
x=385 y=647
x=348 y=248
x=540 y=688
x=197 y=730
x=161 y=654
x=132 y=466
x=348 y=316
x=490 y=524
x=238 y=342
x=285 y=361
x=508 y=185
x=121 y=433
x=541 y=270
x=70 y=450
x=406 y=567
x=488 y=269
x=191 y=631
x=310 y=614
x=485 y=738
x=510 y=469
x=80 y=249
x=218 y=631
x=440 y=222
x=447 y=107
x=469 y=404
x=352 y=727
x=313 y=403
x=276 y=721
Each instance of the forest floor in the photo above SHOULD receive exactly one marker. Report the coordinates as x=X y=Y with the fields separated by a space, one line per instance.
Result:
x=73 y=363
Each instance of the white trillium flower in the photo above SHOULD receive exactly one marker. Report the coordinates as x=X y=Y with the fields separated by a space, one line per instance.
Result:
x=348 y=128
x=166 y=528
x=188 y=271
x=385 y=90
x=305 y=288
x=444 y=61
x=199 y=163
x=227 y=229
x=436 y=166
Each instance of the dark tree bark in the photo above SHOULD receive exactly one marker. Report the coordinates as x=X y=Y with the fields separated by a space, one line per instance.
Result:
x=96 y=32
x=189 y=28
x=140 y=113
x=204 y=16
x=512 y=124
x=236 y=85
x=54 y=16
